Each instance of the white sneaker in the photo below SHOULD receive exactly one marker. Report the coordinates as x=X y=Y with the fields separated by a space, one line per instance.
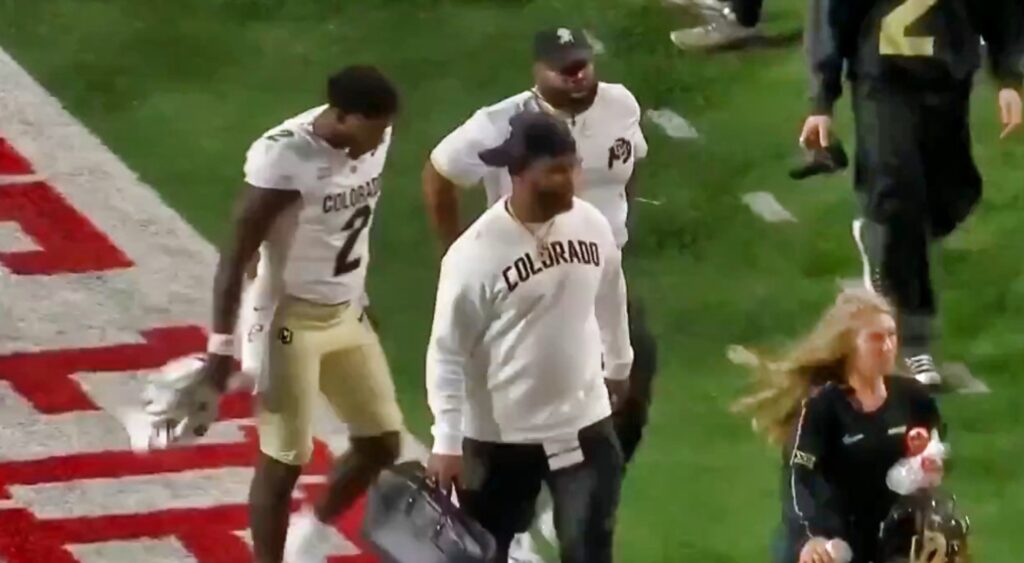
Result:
x=523 y=550
x=922 y=368
x=872 y=275
x=720 y=32
x=308 y=539
x=705 y=7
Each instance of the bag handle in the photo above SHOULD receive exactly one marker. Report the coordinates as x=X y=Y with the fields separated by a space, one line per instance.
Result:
x=435 y=537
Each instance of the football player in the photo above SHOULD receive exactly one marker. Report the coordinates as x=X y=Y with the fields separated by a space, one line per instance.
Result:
x=312 y=187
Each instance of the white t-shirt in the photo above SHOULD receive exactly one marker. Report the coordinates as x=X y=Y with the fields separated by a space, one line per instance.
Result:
x=319 y=249
x=608 y=140
x=515 y=352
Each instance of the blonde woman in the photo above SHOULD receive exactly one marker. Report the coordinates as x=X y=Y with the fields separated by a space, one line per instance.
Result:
x=842 y=421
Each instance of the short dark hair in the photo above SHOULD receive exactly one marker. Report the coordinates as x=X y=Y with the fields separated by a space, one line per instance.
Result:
x=362 y=90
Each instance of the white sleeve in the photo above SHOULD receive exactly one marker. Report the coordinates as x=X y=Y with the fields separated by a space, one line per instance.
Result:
x=636 y=133
x=270 y=163
x=612 y=318
x=456 y=156
x=459 y=321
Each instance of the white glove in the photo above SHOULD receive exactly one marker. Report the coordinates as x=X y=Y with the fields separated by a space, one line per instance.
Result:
x=180 y=403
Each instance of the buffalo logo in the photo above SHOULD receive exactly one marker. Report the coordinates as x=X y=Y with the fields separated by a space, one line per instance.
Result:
x=285 y=336
x=620 y=151
x=254 y=332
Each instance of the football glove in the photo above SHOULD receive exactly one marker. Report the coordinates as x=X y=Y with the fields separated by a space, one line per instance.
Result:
x=180 y=403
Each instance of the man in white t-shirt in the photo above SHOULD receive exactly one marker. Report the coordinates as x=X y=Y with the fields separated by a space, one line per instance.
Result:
x=531 y=301
x=604 y=120
x=312 y=186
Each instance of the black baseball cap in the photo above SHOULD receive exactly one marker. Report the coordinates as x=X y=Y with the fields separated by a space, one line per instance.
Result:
x=561 y=47
x=533 y=135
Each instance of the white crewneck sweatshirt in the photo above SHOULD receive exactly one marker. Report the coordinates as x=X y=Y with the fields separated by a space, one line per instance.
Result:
x=515 y=353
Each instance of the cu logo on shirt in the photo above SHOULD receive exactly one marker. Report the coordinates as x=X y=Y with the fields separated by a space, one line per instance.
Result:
x=620 y=151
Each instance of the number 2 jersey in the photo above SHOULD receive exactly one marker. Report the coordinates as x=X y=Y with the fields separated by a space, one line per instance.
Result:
x=916 y=43
x=319 y=249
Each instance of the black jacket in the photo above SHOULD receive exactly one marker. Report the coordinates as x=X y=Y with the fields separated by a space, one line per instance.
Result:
x=838 y=457
x=925 y=43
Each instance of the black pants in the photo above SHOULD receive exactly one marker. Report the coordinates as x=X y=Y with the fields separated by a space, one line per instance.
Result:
x=631 y=419
x=501 y=483
x=916 y=181
x=748 y=12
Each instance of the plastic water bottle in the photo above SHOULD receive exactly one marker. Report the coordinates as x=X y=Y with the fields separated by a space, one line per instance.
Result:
x=922 y=468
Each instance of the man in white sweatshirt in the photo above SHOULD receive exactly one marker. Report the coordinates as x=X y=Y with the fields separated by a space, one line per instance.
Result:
x=530 y=350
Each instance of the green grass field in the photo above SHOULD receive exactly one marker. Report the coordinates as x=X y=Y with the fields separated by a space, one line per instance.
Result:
x=179 y=89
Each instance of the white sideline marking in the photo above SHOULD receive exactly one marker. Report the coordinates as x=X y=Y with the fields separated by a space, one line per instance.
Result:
x=161 y=550
x=11 y=179
x=14 y=239
x=136 y=494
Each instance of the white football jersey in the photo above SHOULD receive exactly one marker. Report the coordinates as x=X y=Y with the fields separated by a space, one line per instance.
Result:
x=319 y=250
x=608 y=139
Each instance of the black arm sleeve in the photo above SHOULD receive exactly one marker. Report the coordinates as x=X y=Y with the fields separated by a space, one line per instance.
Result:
x=1001 y=24
x=824 y=55
x=809 y=496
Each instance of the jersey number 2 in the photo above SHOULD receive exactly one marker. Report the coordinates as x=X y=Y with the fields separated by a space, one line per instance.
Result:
x=355 y=226
x=894 y=40
x=931 y=549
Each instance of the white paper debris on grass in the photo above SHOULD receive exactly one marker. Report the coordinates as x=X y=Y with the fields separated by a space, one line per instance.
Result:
x=765 y=206
x=648 y=201
x=596 y=43
x=674 y=125
x=741 y=356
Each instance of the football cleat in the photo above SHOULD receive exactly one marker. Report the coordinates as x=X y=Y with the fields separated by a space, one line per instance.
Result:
x=828 y=160
x=308 y=539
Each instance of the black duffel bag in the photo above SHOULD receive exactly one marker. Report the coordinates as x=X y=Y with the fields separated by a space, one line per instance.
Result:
x=410 y=521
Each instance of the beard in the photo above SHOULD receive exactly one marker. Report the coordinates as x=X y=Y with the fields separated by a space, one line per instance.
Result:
x=554 y=203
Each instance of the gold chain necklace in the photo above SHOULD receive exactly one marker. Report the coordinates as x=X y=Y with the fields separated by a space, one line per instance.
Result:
x=540 y=235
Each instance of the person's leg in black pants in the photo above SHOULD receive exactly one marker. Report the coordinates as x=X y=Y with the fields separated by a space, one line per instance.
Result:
x=954 y=183
x=896 y=232
x=499 y=488
x=631 y=418
x=748 y=12
x=586 y=497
